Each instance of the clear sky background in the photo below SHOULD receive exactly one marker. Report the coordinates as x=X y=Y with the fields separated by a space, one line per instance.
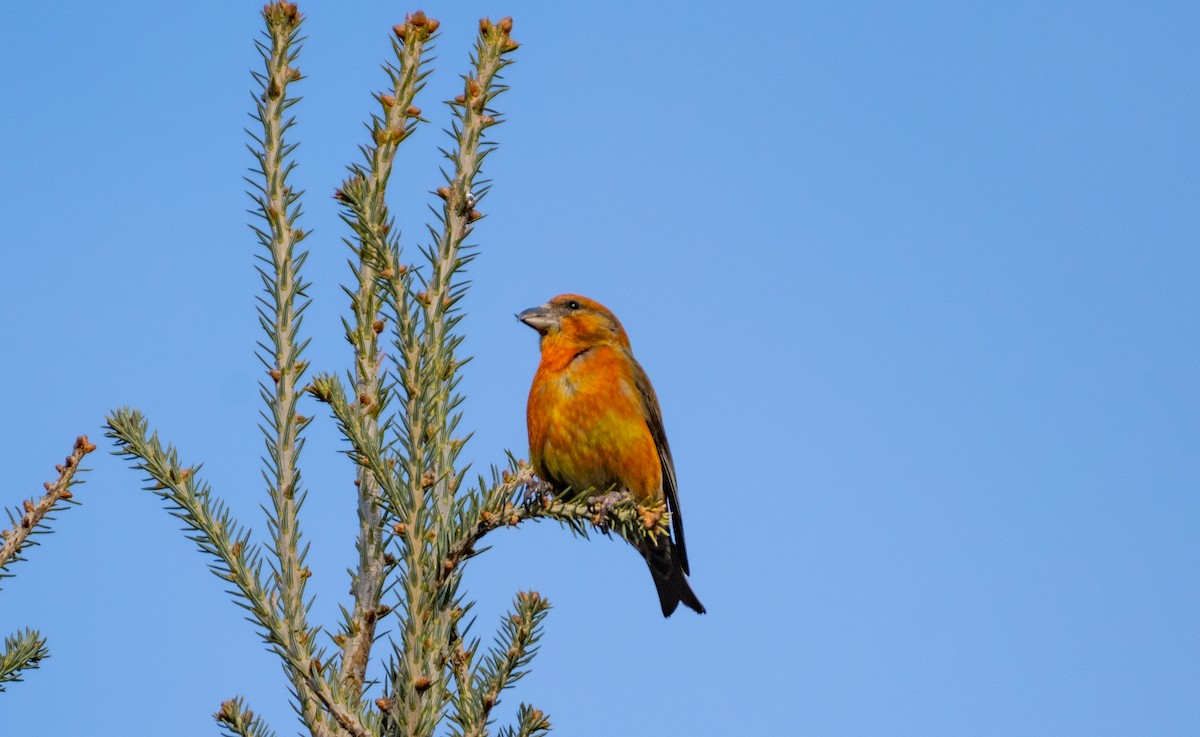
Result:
x=917 y=286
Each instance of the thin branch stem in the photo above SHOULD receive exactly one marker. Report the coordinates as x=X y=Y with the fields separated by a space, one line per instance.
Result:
x=364 y=195
x=281 y=316
x=34 y=512
x=217 y=533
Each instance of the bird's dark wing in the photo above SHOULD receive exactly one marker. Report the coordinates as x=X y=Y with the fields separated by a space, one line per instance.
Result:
x=655 y=423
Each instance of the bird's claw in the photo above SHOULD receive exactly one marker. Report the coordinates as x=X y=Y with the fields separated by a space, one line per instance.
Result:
x=535 y=490
x=604 y=505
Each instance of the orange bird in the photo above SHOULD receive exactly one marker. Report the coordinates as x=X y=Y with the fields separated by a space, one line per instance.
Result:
x=595 y=424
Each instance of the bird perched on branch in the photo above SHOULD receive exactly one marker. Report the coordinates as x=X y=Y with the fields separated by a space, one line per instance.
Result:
x=595 y=425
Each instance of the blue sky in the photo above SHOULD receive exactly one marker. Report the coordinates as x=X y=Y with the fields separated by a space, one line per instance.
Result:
x=917 y=287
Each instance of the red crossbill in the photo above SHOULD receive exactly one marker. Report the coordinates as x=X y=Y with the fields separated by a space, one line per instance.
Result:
x=595 y=425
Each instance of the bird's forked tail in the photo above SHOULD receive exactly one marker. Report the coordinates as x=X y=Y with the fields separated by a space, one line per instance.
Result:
x=669 y=578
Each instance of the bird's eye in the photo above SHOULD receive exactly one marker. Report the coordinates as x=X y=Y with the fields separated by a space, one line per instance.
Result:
x=572 y=305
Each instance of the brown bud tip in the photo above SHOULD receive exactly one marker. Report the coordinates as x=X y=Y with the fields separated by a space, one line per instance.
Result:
x=401 y=269
x=400 y=528
x=60 y=468
x=66 y=494
x=488 y=701
x=314 y=664
x=365 y=399
x=387 y=273
x=505 y=24
x=513 y=520
x=275 y=375
x=305 y=573
x=301 y=419
x=427 y=479
x=474 y=215
x=421 y=683
x=383 y=704
x=383 y=610
x=358 y=482
x=400 y=30
x=511 y=45
x=377 y=326
x=387 y=100
x=293 y=74
x=448 y=565
x=505 y=477
x=339 y=195
x=487 y=120
x=485 y=25
x=473 y=87
x=413 y=111
x=417 y=19
x=443 y=192
x=460 y=99
x=237 y=548
x=432 y=25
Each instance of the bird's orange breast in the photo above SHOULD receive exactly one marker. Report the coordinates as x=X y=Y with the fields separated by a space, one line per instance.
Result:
x=587 y=424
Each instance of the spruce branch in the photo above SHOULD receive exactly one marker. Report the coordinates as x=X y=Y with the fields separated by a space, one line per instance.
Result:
x=473 y=116
x=236 y=719
x=364 y=195
x=22 y=651
x=280 y=315
x=514 y=648
x=531 y=722
x=428 y=375
x=33 y=515
x=514 y=498
x=217 y=533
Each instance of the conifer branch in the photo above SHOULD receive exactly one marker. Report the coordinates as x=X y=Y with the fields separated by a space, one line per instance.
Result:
x=513 y=499
x=427 y=378
x=447 y=259
x=531 y=722
x=31 y=518
x=237 y=720
x=281 y=315
x=364 y=195
x=515 y=647
x=239 y=562
x=22 y=651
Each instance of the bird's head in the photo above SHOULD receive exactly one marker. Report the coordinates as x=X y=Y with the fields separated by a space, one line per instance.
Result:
x=575 y=319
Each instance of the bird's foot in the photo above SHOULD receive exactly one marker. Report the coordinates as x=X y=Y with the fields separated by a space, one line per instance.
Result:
x=535 y=492
x=603 y=506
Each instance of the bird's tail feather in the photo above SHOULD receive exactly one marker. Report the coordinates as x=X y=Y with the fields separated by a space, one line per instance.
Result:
x=669 y=578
